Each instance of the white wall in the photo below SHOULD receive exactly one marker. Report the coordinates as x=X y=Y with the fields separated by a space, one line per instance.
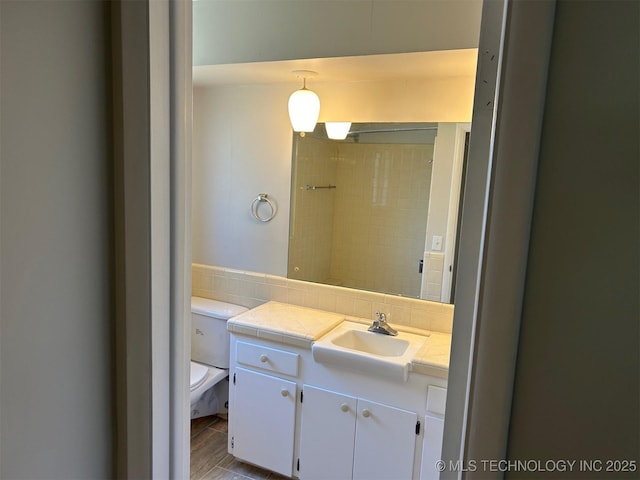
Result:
x=433 y=100
x=441 y=184
x=434 y=259
x=56 y=402
x=228 y=31
x=241 y=147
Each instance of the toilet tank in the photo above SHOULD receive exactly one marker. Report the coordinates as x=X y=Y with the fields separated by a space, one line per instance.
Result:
x=209 y=335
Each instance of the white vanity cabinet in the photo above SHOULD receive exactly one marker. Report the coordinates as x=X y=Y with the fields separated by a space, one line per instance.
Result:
x=347 y=437
x=304 y=419
x=263 y=407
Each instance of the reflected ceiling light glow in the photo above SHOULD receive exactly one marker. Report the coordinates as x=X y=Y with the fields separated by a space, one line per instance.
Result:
x=337 y=130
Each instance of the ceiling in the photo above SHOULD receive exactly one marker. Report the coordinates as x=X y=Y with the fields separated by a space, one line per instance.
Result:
x=415 y=65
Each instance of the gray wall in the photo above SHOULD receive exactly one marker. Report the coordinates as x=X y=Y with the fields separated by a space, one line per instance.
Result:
x=56 y=405
x=228 y=31
x=576 y=386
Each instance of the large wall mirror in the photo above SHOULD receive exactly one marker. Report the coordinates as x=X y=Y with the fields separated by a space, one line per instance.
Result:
x=408 y=135
x=360 y=209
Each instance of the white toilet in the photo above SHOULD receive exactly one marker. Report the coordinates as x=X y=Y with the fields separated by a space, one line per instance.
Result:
x=210 y=355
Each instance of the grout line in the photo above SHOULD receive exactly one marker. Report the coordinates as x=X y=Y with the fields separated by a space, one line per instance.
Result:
x=204 y=474
x=234 y=472
x=216 y=429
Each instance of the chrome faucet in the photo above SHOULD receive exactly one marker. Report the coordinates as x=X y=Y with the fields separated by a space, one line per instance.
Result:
x=380 y=325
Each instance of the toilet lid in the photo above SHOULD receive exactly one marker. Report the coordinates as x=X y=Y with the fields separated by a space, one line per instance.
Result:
x=198 y=375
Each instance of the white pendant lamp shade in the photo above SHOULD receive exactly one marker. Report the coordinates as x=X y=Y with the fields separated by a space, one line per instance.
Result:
x=337 y=130
x=304 y=109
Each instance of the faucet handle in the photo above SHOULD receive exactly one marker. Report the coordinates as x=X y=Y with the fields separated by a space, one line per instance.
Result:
x=380 y=325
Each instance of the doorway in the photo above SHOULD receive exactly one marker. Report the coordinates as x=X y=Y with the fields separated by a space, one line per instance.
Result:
x=254 y=70
x=483 y=139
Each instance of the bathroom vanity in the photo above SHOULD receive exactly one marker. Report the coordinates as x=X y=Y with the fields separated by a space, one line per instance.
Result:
x=314 y=395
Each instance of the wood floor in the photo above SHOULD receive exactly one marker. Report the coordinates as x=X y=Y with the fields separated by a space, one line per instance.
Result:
x=209 y=457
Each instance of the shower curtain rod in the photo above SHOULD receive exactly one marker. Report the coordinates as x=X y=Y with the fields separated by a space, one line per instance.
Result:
x=392 y=130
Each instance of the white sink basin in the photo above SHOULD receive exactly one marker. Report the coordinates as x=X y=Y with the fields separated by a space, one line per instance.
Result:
x=351 y=346
x=375 y=344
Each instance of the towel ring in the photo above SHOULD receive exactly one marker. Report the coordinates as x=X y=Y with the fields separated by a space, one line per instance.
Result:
x=255 y=205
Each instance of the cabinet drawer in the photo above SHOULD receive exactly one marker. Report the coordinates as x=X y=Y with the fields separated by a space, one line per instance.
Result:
x=265 y=358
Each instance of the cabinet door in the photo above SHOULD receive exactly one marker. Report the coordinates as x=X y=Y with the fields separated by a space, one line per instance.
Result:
x=263 y=416
x=327 y=433
x=431 y=447
x=385 y=442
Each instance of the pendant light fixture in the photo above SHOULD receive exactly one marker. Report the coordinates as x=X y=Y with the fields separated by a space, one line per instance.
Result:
x=304 y=105
x=337 y=130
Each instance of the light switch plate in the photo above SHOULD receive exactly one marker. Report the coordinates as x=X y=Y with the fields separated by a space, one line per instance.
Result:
x=436 y=243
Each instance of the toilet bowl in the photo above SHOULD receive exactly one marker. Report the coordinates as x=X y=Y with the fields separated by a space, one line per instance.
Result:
x=203 y=377
x=209 y=386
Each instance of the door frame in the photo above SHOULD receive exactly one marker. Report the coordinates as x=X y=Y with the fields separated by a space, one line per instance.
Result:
x=496 y=219
x=152 y=373
x=152 y=82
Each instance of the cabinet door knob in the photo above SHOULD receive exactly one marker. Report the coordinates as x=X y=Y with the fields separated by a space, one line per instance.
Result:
x=284 y=392
x=366 y=413
x=263 y=358
x=344 y=407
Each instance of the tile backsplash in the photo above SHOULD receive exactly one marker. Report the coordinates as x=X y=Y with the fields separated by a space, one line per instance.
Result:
x=251 y=289
x=434 y=265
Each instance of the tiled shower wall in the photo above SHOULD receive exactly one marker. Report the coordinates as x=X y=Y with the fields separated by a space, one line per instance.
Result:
x=312 y=211
x=251 y=289
x=380 y=219
x=368 y=231
x=433 y=269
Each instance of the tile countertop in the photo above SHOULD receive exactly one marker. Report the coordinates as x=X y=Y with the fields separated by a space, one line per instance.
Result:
x=301 y=326
x=288 y=324
x=433 y=358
